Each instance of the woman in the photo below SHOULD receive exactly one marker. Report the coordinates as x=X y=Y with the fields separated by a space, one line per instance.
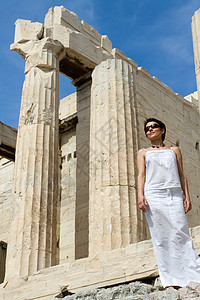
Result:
x=161 y=187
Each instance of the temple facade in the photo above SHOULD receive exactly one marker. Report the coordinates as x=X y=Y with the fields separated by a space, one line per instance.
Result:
x=68 y=176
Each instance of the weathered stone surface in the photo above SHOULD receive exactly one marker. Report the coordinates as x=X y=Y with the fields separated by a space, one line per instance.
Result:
x=6 y=196
x=37 y=53
x=114 y=216
x=33 y=233
x=25 y=31
x=129 y=291
x=193 y=98
x=62 y=16
x=192 y=290
x=132 y=291
x=137 y=291
x=68 y=122
x=118 y=54
x=8 y=136
x=106 y=43
x=68 y=196
x=68 y=106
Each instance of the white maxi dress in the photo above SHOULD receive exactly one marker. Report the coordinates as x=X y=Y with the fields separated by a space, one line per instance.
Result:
x=178 y=262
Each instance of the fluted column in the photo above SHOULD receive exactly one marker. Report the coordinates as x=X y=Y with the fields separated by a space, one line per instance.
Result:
x=33 y=239
x=114 y=218
x=196 y=47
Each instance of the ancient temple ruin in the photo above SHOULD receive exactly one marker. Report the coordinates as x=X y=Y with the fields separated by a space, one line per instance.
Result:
x=68 y=202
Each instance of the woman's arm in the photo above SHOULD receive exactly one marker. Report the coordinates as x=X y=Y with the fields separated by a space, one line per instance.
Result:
x=183 y=179
x=141 y=179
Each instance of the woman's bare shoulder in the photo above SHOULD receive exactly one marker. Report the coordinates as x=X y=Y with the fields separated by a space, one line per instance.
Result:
x=176 y=150
x=142 y=152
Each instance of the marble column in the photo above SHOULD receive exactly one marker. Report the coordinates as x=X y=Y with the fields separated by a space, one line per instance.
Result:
x=114 y=218
x=33 y=237
x=196 y=47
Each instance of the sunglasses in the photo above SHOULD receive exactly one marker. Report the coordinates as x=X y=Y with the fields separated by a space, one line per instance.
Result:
x=151 y=126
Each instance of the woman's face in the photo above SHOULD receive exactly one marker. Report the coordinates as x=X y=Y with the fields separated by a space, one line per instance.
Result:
x=153 y=131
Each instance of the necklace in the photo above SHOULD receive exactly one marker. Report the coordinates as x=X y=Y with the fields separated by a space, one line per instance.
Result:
x=157 y=146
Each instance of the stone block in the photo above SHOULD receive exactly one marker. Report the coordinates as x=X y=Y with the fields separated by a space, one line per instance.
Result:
x=8 y=135
x=92 y=33
x=67 y=239
x=106 y=44
x=118 y=54
x=67 y=210
x=66 y=18
x=25 y=31
x=83 y=104
x=68 y=106
x=66 y=254
x=6 y=196
x=62 y=16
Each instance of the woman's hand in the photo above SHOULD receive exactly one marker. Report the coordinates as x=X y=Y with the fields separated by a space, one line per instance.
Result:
x=142 y=203
x=187 y=204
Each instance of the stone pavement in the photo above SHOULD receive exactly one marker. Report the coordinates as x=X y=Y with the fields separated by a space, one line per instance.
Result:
x=135 y=291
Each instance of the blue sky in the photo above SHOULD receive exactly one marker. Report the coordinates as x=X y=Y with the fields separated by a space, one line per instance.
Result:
x=154 y=33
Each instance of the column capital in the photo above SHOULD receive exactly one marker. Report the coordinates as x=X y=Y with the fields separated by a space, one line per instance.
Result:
x=34 y=51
